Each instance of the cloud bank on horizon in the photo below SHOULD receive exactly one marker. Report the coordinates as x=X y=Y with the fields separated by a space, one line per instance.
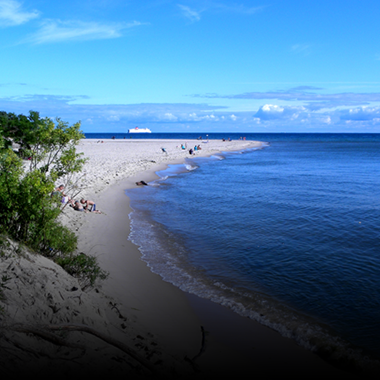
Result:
x=193 y=65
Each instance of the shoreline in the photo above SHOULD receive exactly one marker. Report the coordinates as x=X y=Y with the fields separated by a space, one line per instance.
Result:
x=231 y=339
x=142 y=294
x=217 y=321
x=158 y=311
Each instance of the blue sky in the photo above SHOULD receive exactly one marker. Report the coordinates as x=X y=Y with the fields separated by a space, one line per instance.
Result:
x=194 y=66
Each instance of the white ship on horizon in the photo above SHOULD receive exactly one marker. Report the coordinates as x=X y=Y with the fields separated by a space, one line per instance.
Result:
x=139 y=130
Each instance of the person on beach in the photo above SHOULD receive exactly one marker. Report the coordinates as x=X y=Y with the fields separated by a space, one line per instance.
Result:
x=89 y=205
x=59 y=191
x=79 y=207
x=76 y=205
x=141 y=183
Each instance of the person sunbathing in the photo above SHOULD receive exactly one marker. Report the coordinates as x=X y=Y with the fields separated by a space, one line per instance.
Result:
x=77 y=206
x=89 y=205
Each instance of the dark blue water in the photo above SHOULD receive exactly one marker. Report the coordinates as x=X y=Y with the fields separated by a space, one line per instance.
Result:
x=288 y=235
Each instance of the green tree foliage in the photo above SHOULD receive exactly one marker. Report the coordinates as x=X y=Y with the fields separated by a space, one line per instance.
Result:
x=19 y=129
x=46 y=154
x=47 y=146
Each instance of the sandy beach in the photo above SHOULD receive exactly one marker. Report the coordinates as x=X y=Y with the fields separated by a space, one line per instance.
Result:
x=171 y=333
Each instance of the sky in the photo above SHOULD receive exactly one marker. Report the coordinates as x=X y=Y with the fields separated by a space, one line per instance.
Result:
x=194 y=66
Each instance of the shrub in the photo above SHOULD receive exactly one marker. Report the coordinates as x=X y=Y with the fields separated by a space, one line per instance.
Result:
x=85 y=268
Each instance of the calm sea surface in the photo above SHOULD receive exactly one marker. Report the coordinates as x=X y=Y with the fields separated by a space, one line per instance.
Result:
x=288 y=235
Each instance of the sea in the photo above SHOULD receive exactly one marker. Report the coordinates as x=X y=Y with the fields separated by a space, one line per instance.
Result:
x=287 y=234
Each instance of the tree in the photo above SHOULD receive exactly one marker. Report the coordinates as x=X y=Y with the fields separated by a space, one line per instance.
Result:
x=44 y=144
x=19 y=129
x=28 y=212
x=47 y=153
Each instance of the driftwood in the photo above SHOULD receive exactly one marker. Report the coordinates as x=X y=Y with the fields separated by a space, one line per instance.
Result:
x=201 y=351
x=203 y=345
x=42 y=331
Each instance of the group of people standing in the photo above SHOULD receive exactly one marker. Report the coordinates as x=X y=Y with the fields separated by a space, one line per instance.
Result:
x=196 y=147
x=191 y=151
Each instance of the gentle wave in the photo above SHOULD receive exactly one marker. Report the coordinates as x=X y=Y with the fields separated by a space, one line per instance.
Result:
x=190 y=167
x=218 y=156
x=166 y=257
x=173 y=170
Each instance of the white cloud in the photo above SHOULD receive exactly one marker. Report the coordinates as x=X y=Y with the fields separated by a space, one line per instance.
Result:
x=170 y=116
x=197 y=118
x=327 y=120
x=12 y=14
x=361 y=113
x=235 y=8
x=271 y=112
x=216 y=7
x=166 y=116
x=189 y=13
x=52 y=31
x=313 y=101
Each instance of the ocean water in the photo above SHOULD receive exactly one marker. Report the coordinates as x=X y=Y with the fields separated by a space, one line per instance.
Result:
x=288 y=235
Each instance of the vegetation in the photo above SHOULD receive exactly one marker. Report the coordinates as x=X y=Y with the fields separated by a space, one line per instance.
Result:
x=28 y=212
x=83 y=267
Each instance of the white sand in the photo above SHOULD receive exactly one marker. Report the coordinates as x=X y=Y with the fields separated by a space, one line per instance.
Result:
x=112 y=160
x=133 y=306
